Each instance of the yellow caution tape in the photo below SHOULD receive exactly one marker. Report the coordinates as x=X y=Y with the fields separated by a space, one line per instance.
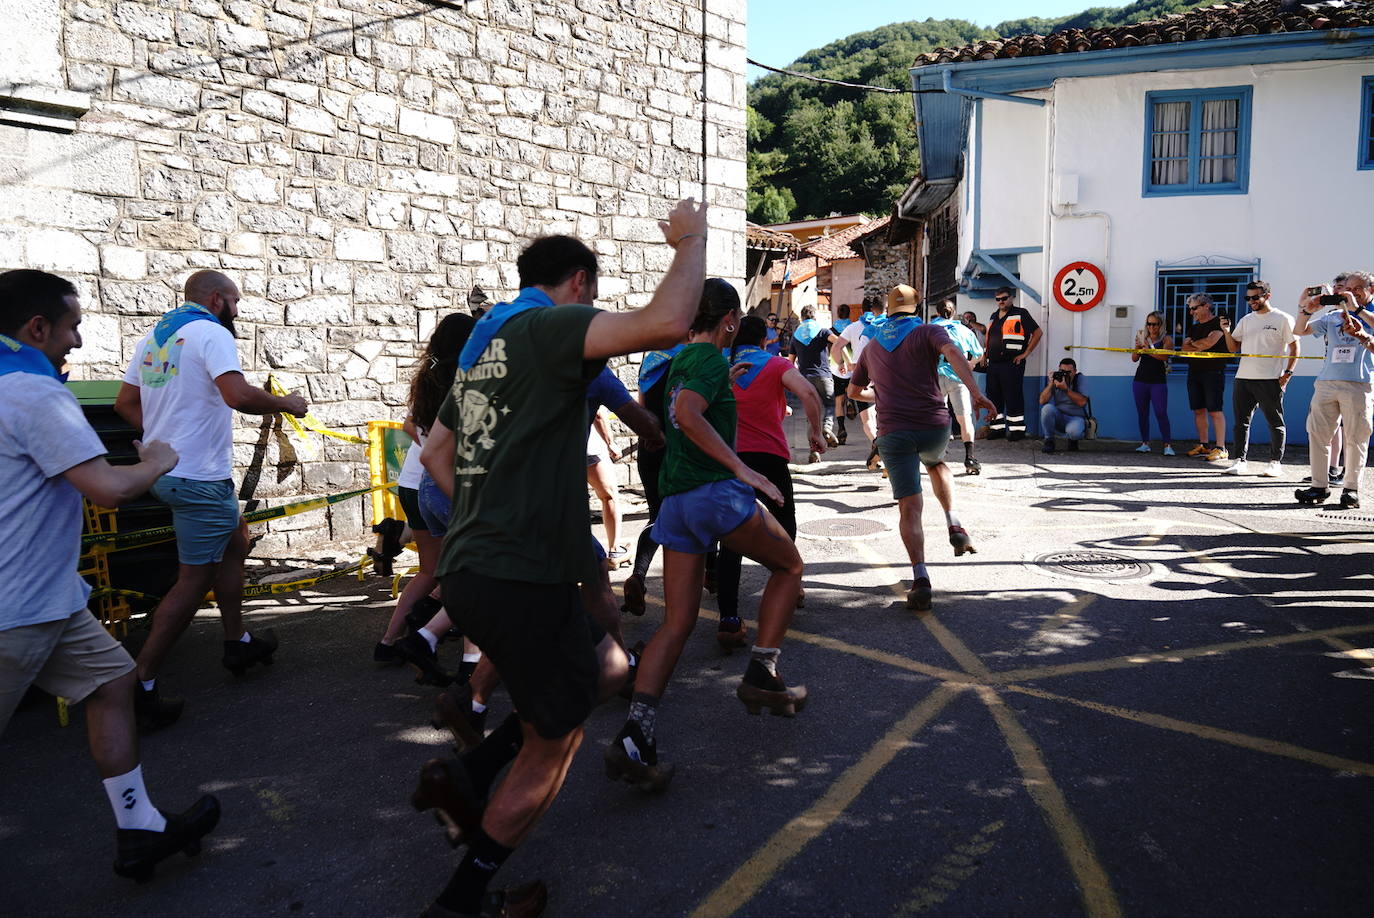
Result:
x=1187 y=355
x=117 y=541
x=310 y=422
x=251 y=590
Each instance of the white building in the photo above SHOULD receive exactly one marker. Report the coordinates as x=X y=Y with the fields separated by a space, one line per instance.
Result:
x=1188 y=154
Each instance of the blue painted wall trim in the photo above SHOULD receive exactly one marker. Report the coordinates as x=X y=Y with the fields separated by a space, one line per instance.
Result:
x=1366 y=131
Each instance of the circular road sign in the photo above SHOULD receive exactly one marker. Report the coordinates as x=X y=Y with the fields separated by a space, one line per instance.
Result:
x=1079 y=286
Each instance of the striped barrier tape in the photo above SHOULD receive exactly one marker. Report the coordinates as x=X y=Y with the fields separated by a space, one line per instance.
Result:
x=250 y=590
x=310 y=422
x=118 y=541
x=1161 y=352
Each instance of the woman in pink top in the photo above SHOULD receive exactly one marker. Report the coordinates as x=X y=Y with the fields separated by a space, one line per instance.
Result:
x=760 y=442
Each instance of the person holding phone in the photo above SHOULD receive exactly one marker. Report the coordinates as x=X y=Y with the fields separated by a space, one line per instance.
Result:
x=1151 y=384
x=1343 y=391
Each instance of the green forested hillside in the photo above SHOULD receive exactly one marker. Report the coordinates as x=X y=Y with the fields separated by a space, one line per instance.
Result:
x=816 y=149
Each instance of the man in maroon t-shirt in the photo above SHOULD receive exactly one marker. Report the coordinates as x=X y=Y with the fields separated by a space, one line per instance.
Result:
x=913 y=427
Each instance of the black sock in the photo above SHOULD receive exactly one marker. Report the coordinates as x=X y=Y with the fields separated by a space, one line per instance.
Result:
x=968 y=450
x=493 y=754
x=467 y=888
x=644 y=551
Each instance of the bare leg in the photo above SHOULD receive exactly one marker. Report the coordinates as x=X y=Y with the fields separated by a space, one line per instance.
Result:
x=614 y=666
x=111 y=728
x=762 y=539
x=602 y=479
x=942 y=483
x=173 y=614
x=1200 y=421
x=909 y=522
x=483 y=680
x=599 y=600
x=1219 y=426
x=533 y=781
x=866 y=422
x=421 y=585
x=682 y=578
x=228 y=583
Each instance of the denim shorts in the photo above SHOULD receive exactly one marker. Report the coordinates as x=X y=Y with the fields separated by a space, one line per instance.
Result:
x=434 y=507
x=694 y=521
x=205 y=514
x=904 y=451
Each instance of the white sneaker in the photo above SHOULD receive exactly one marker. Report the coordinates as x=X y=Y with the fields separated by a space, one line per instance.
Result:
x=1273 y=470
x=1239 y=467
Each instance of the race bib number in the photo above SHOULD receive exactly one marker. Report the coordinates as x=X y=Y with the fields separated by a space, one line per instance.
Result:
x=1343 y=355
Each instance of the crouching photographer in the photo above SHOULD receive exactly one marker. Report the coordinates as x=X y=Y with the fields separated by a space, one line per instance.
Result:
x=1063 y=407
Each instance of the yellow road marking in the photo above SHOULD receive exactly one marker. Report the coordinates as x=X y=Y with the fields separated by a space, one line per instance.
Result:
x=950 y=872
x=1099 y=900
x=1067 y=613
x=1258 y=744
x=788 y=842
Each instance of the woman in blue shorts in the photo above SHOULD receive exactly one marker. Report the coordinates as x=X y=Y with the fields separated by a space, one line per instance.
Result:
x=708 y=497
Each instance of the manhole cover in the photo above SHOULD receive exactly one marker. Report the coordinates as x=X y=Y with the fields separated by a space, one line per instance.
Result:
x=1100 y=565
x=855 y=527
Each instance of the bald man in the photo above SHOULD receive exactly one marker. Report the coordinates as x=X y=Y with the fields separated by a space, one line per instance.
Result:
x=182 y=387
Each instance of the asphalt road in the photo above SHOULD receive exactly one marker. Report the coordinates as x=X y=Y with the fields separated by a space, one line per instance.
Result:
x=1165 y=719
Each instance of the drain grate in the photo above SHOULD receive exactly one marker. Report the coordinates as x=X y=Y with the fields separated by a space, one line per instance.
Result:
x=1098 y=565
x=850 y=527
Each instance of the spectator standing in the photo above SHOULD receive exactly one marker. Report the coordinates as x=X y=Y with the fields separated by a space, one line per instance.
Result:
x=1342 y=392
x=1260 y=381
x=1206 y=377
x=1012 y=336
x=1151 y=384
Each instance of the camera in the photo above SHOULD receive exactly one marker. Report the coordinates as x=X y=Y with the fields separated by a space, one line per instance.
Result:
x=1331 y=299
x=1060 y=376
x=1314 y=291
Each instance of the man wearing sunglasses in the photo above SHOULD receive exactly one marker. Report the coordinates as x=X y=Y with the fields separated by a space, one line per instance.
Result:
x=1260 y=381
x=1206 y=377
x=1012 y=334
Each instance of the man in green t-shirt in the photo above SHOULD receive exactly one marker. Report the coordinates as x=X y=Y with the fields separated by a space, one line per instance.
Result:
x=509 y=446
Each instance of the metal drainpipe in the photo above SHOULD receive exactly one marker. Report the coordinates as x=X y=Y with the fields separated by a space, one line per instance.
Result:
x=949 y=87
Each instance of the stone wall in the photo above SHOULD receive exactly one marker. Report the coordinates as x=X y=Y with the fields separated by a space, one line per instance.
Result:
x=360 y=167
x=887 y=265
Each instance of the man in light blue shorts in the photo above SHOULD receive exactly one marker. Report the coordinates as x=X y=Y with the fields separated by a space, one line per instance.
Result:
x=913 y=423
x=183 y=386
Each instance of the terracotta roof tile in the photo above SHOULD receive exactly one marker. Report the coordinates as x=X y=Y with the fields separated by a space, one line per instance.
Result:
x=801 y=269
x=1221 y=20
x=836 y=247
x=757 y=237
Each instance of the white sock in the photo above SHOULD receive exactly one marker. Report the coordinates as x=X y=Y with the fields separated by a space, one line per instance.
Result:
x=472 y=657
x=246 y=639
x=430 y=639
x=478 y=707
x=132 y=808
x=148 y=684
x=919 y=571
x=951 y=518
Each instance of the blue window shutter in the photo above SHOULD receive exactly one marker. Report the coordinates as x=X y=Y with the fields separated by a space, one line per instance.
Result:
x=1197 y=141
x=1366 y=132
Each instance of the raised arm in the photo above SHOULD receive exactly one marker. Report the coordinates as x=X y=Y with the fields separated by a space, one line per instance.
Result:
x=964 y=370
x=248 y=399
x=643 y=423
x=664 y=322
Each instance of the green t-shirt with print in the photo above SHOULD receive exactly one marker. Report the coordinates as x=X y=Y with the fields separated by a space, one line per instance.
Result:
x=702 y=369
x=519 y=422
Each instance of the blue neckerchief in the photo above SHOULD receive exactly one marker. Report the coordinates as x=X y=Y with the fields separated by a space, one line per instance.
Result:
x=806 y=331
x=655 y=365
x=893 y=330
x=866 y=318
x=172 y=321
x=756 y=357
x=840 y=324
x=18 y=357
x=491 y=322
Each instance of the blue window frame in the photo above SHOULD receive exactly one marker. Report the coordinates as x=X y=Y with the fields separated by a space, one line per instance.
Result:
x=1226 y=287
x=1197 y=141
x=1366 y=132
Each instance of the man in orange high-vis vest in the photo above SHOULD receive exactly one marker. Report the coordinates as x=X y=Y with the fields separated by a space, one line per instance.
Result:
x=1012 y=334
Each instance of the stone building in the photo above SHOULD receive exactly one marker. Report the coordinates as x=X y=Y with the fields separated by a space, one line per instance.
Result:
x=360 y=167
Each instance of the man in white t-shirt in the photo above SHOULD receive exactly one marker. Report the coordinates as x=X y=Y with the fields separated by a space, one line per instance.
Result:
x=183 y=386
x=49 y=458
x=1260 y=380
x=849 y=344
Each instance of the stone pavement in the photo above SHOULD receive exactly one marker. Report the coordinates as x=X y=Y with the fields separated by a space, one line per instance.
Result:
x=1136 y=698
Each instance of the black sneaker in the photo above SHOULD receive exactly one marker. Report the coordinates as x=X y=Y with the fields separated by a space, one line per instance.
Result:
x=1015 y=435
x=424 y=609
x=386 y=653
x=1350 y=500
x=526 y=901
x=761 y=689
x=1073 y=446
x=1311 y=495
x=1048 y=448
x=153 y=711
x=635 y=593
x=996 y=433
x=415 y=650
x=238 y=656
x=446 y=787
x=634 y=760
x=972 y=466
x=138 y=851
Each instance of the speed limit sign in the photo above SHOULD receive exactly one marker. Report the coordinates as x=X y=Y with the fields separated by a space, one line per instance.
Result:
x=1080 y=286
